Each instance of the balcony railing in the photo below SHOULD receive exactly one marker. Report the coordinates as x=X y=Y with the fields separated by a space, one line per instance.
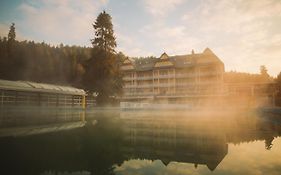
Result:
x=164 y=85
x=144 y=78
x=144 y=85
x=164 y=76
x=177 y=93
x=209 y=73
x=190 y=75
x=139 y=86
x=185 y=75
x=188 y=84
x=185 y=84
x=137 y=93
x=197 y=83
x=207 y=82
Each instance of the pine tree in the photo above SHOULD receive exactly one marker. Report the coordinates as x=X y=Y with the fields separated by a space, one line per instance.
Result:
x=104 y=34
x=102 y=75
x=264 y=74
x=12 y=33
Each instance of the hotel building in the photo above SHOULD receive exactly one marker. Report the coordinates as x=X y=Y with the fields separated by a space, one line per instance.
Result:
x=173 y=79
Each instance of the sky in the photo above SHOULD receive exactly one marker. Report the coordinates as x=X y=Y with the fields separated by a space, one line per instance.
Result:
x=244 y=34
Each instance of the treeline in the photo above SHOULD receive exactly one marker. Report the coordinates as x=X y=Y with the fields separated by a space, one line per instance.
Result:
x=40 y=62
x=242 y=77
x=144 y=60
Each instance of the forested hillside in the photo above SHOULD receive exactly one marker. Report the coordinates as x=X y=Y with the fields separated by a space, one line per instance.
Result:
x=40 y=62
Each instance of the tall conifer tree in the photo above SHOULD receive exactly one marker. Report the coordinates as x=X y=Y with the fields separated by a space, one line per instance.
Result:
x=102 y=74
x=12 y=33
x=104 y=34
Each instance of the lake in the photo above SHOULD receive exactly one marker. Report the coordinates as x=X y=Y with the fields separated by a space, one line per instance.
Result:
x=140 y=142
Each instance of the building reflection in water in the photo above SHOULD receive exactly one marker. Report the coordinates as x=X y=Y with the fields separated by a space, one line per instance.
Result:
x=193 y=138
x=170 y=139
x=102 y=146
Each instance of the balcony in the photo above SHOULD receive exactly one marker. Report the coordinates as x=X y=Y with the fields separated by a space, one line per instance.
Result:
x=138 y=86
x=186 y=84
x=164 y=76
x=164 y=85
x=145 y=85
x=137 y=93
x=189 y=84
x=185 y=75
x=209 y=74
x=144 y=78
x=215 y=82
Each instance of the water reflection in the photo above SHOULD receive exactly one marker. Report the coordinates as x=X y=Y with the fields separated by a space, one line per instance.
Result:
x=180 y=139
x=146 y=143
x=19 y=121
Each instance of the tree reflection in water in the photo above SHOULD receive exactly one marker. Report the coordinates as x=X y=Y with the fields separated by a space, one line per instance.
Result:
x=268 y=143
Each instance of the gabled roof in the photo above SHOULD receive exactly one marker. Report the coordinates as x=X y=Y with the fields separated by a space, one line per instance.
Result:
x=178 y=61
x=145 y=66
x=127 y=61
x=164 y=56
x=208 y=57
x=183 y=60
x=164 y=61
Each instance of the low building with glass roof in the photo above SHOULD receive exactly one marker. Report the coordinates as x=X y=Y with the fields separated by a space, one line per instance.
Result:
x=25 y=93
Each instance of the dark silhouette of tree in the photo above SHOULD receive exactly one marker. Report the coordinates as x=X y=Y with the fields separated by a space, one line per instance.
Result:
x=12 y=33
x=264 y=74
x=102 y=74
x=104 y=34
x=268 y=143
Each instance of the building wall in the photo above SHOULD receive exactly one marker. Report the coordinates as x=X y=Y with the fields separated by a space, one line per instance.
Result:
x=171 y=81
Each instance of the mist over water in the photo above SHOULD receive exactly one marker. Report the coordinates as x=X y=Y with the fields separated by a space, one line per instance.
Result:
x=142 y=142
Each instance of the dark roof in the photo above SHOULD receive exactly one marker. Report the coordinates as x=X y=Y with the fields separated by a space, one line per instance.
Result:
x=145 y=64
x=180 y=61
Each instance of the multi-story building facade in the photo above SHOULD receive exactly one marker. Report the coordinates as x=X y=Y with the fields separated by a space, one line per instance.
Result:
x=177 y=78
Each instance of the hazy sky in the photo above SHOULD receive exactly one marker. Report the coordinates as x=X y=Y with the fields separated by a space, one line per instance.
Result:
x=244 y=34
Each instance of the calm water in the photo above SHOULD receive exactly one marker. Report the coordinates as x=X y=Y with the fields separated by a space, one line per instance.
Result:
x=113 y=142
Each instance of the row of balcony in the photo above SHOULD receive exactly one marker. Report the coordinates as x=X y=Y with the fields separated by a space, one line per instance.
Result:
x=127 y=78
x=195 y=92
x=171 y=84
